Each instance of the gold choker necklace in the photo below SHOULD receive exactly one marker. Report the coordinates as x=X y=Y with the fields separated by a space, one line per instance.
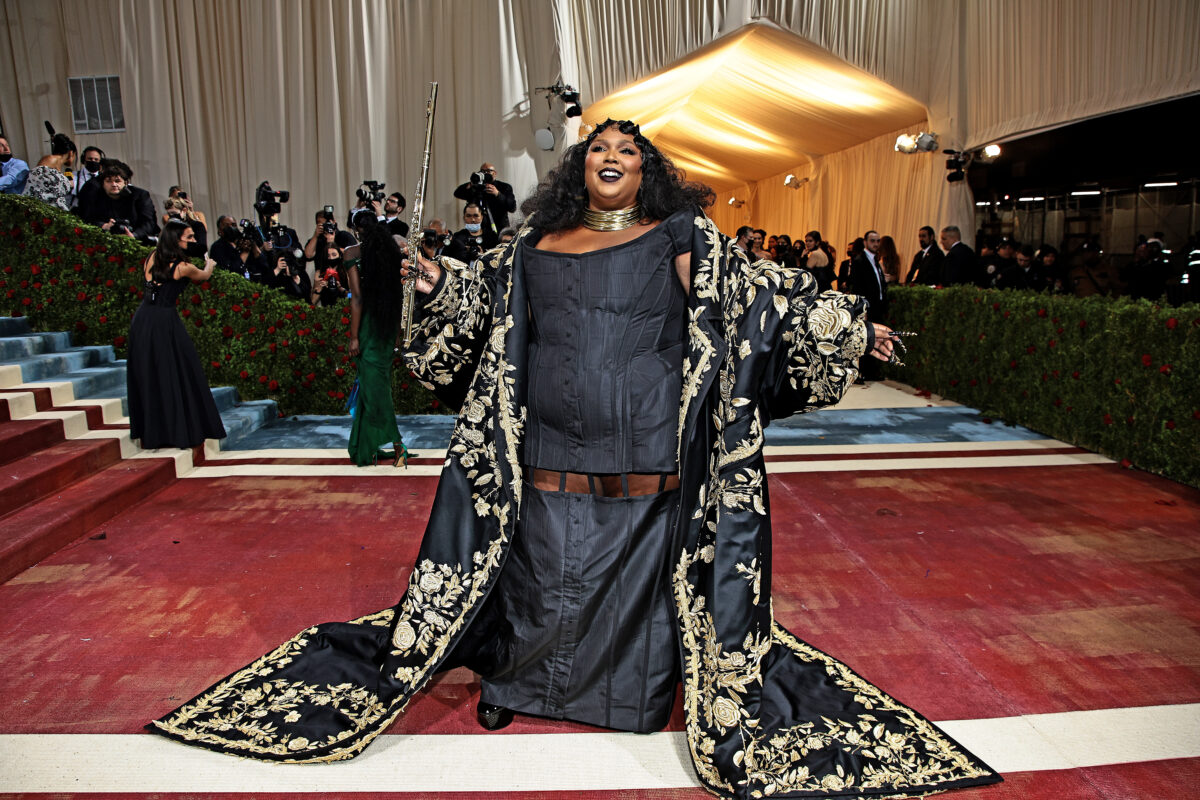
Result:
x=612 y=220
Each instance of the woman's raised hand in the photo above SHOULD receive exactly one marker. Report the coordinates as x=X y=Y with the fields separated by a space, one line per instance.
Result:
x=430 y=271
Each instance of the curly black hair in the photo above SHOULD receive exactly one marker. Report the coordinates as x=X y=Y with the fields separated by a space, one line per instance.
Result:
x=561 y=197
x=382 y=291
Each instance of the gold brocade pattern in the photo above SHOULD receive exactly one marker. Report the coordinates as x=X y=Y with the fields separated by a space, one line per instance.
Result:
x=241 y=702
x=761 y=342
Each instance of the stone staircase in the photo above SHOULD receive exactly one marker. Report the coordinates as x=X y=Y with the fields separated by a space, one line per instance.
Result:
x=67 y=462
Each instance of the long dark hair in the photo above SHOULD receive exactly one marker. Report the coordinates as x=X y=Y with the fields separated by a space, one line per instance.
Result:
x=822 y=245
x=382 y=294
x=561 y=197
x=169 y=250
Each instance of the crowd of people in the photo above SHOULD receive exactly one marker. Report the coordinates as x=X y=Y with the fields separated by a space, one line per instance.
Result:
x=99 y=190
x=872 y=264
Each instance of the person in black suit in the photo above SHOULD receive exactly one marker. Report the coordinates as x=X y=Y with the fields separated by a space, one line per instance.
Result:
x=1023 y=274
x=961 y=265
x=393 y=207
x=927 y=263
x=867 y=280
x=495 y=198
x=118 y=207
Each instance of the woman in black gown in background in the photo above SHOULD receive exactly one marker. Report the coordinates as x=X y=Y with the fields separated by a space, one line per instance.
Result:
x=601 y=528
x=170 y=404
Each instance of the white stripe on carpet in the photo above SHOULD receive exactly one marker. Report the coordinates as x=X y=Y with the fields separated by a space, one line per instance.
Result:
x=832 y=465
x=549 y=762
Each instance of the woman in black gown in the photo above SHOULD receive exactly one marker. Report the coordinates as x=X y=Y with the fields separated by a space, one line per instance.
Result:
x=601 y=528
x=170 y=404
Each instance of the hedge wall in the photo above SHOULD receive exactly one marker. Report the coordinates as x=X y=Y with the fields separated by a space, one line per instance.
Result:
x=1120 y=377
x=67 y=276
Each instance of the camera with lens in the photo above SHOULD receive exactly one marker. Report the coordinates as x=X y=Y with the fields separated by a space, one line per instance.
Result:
x=370 y=192
x=474 y=245
x=431 y=239
x=120 y=226
x=329 y=227
x=267 y=201
x=331 y=278
x=480 y=179
x=245 y=235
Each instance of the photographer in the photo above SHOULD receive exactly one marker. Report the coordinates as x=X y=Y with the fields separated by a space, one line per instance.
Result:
x=326 y=233
x=235 y=250
x=271 y=237
x=178 y=207
x=437 y=241
x=288 y=275
x=393 y=207
x=494 y=198
x=120 y=208
x=471 y=241
x=329 y=287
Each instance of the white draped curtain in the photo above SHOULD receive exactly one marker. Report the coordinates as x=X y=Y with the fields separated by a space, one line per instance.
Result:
x=317 y=95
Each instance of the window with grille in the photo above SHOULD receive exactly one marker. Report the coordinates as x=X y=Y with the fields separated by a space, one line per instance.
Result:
x=96 y=104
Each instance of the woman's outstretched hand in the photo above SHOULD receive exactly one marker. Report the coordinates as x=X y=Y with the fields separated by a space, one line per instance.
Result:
x=430 y=269
x=885 y=344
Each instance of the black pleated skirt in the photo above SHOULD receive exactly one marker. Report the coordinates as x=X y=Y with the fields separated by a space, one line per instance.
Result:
x=170 y=404
x=589 y=631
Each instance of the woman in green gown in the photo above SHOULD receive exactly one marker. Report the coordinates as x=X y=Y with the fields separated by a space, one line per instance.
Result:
x=373 y=275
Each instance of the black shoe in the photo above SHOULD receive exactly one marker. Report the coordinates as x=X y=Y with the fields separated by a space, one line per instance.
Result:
x=491 y=717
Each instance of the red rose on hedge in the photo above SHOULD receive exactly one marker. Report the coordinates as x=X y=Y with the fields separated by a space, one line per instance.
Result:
x=1165 y=369
x=1147 y=361
x=1172 y=323
x=1170 y=424
x=273 y=385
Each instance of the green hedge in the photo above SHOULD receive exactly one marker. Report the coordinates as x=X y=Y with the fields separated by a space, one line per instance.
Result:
x=1120 y=377
x=67 y=276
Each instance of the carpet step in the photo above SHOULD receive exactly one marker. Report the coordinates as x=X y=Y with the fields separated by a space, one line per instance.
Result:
x=51 y=469
x=99 y=381
x=14 y=326
x=23 y=436
x=226 y=397
x=48 y=366
x=40 y=529
x=13 y=348
x=245 y=418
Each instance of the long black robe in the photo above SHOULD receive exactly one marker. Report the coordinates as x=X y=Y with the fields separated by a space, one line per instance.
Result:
x=766 y=714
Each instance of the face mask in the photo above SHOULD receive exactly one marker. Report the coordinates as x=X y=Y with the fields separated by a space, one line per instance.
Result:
x=194 y=250
x=92 y=166
x=474 y=227
x=4 y=158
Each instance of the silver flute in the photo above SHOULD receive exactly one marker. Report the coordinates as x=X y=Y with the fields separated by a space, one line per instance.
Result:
x=408 y=312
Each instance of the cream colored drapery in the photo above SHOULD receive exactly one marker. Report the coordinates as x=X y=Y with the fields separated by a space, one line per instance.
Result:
x=316 y=95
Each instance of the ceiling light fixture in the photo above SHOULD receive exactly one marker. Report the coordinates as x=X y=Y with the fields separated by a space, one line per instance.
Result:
x=1161 y=185
x=916 y=142
x=1087 y=193
x=568 y=94
x=792 y=182
x=733 y=201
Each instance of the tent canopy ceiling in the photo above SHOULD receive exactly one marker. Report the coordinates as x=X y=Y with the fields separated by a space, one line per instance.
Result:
x=755 y=103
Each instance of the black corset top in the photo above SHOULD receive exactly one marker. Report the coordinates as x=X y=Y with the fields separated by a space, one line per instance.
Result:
x=606 y=354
